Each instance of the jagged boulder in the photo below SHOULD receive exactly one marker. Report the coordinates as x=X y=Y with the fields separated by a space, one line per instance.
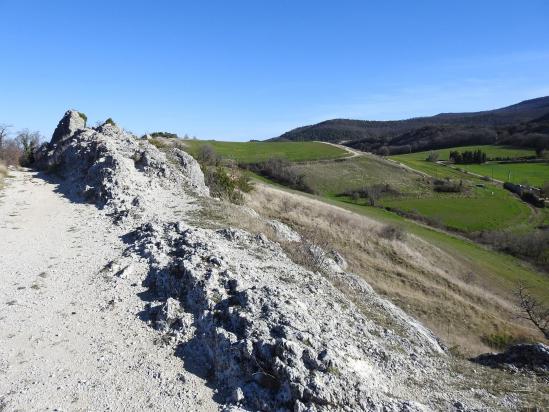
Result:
x=533 y=357
x=115 y=170
x=191 y=169
x=71 y=122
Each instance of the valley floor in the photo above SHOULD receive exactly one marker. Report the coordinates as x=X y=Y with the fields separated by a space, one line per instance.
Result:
x=70 y=338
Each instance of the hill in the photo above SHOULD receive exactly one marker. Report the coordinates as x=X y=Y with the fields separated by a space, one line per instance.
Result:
x=521 y=124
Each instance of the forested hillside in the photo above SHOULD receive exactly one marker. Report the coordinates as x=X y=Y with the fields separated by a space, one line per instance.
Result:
x=522 y=124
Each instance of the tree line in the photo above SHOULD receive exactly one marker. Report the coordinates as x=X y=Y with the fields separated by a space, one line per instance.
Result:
x=18 y=149
x=468 y=156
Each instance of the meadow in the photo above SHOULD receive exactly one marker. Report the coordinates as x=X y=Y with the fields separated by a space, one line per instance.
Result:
x=492 y=152
x=534 y=174
x=251 y=152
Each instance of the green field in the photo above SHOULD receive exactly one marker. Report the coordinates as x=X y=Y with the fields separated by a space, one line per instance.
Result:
x=250 y=152
x=483 y=209
x=534 y=174
x=491 y=151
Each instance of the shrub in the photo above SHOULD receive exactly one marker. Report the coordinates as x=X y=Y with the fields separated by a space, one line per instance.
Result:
x=28 y=144
x=533 y=245
x=447 y=186
x=110 y=121
x=207 y=155
x=157 y=143
x=531 y=198
x=433 y=157
x=224 y=186
x=393 y=232
x=164 y=134
x=11 y=153
x=280 y=170
x=83 y=117
x=372 y=193
x=503 y=340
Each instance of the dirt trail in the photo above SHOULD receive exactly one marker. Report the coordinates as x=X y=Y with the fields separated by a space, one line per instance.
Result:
x=71 y=337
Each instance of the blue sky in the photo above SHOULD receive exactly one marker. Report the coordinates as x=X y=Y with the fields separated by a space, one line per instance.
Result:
x=236 y=70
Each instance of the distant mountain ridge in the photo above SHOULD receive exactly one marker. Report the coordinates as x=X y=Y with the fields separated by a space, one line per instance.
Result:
x=505 y=125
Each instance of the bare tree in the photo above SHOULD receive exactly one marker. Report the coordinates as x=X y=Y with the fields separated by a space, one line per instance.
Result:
x=28 y=141
x=374 y=193
x=207 y=155
x=533 y=310
x=4 y=132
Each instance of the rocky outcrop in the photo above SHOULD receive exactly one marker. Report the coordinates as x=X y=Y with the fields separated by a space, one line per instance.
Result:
x=115 y=170
x=269 y=334
x=71 y=122
x=526 y=357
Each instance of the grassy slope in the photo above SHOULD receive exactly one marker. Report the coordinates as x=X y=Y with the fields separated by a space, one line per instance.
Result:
x=505 y=270
x=500 y=268
x=335 y=177
x=249 y=152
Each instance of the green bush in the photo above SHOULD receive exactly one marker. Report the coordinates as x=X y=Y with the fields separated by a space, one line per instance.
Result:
x=110 y=121
x=222 y=185
x=164 y=134
x=281 y=170
x=157 y=143
x=502 y=340
x=83 y=117
x=207 y=155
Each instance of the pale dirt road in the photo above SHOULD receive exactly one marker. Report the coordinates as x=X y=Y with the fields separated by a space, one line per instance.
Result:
x=70 y=336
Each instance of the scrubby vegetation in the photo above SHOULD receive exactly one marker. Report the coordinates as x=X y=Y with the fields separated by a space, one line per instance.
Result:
x=393 y=232
x=165 y=135
x=3 y=173
x=502 y=340
x=372 y=193
x=281 y=170
x=83 y=117
x=224 y=182
x=433 y=157
x=533 y=246
x=159 y=144
x=18 y=150
x=110 y=121
x=448 y=186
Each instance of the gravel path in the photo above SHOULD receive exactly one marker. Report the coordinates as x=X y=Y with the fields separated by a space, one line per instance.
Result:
x=71 y=337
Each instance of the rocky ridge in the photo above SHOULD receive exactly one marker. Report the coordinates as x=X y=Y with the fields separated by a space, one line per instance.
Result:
x=269 y=334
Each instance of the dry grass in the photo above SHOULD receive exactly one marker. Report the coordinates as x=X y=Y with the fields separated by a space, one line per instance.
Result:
x=3 y=173
x=440 y=290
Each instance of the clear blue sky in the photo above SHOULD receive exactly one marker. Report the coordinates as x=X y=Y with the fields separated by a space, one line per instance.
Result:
x=235 y=70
